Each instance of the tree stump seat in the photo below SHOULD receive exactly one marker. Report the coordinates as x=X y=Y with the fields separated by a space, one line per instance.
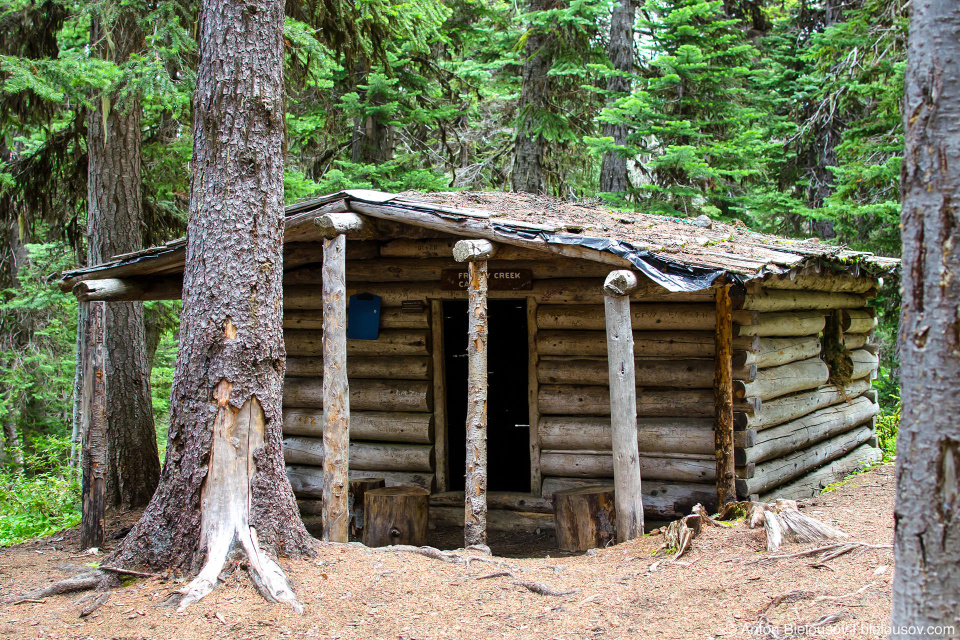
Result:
x=585 y=517
x=395 y=515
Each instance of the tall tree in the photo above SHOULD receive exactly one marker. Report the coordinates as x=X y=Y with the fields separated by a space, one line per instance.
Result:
x=529 y=141
x=613 y=169
x=223 y=492
x=927 y=512
x=115 y=225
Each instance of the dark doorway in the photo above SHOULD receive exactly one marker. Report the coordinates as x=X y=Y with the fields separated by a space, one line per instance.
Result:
x=508 y=429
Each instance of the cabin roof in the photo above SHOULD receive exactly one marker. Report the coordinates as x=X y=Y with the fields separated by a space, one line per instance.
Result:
x=677 y=253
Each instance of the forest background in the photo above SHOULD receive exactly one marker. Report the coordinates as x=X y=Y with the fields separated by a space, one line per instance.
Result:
x=785 y=115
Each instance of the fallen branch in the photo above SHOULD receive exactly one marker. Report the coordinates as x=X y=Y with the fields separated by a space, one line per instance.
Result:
x=542 y=589
x=497 y=574
x=846 y=595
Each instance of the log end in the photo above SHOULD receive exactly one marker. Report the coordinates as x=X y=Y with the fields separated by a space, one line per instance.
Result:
x=621 y=283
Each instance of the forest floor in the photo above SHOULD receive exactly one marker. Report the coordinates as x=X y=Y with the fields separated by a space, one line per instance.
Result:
x=727 y=586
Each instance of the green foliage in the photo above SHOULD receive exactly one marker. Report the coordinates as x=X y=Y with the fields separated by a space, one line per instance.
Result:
x=888 y=426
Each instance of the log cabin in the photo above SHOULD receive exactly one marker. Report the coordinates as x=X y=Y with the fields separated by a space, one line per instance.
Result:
x=504 y=347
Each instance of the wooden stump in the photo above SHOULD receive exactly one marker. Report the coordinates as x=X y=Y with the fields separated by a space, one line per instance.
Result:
x=585 y=517
x=395 y=515
x=358 y=489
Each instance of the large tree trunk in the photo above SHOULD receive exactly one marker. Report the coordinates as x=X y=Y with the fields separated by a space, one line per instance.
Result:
x=115 y=226
x=223 y=489
x=927 y=513
x=529 y=143
x=613 y=169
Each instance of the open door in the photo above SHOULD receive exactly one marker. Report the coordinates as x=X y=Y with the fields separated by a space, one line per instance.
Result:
x=508 y=431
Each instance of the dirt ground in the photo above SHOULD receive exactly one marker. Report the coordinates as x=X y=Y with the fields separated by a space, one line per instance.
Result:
x=722 y=588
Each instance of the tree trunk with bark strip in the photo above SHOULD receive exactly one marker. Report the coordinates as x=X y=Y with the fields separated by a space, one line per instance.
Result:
x=529 y=144
x=927 y=512
x=613 y=169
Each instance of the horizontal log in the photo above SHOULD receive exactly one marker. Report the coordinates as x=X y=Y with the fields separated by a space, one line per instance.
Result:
x=773 y=352
x=155 y=287
x=497 y=519
x=858 y=320
x=599 y=464
x=301 y=450
x=673 y=344
x=365 y=395
x=790 y=300
x=307 y=481
x=557 y=291
x=643 y=316
x=430 y=248
x=390 y=318
x=669 y=435
x=681 y=374
x=811 y=428
x=387 y=426
x=402 y=368
x=594 y=400
x=864 y=363
x=853 y=341
x=795 y=406
x=814 y=482
x=823 y=282
x=784 y=324
x=773 y=382
x=507 y=500
x=661 y=500
x=778 y=471
x=298 y=254
x=390 y=342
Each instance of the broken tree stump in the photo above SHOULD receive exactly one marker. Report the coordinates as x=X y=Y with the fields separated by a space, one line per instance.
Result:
x=585 y=517
x=395 y=515
x=358 y=489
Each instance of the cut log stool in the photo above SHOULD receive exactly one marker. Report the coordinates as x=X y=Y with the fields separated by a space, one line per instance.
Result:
x=585 y=517
x=395 y=515
x=358 y=489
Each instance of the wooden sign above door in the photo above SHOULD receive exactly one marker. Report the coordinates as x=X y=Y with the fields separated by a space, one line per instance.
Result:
x=497 y=279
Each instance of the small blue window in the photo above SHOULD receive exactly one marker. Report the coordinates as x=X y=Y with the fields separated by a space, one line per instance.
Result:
x=363 y=317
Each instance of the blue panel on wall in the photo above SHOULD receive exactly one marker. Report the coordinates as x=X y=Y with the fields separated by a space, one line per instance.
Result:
x=363 y=317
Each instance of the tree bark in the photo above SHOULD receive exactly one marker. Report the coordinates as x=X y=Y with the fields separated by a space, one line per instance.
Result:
x=94 y=421
x=613 y=168
x=475 y=521
x=115 y=224
x=223 y=487
x=723 y=398
x=927 y=512
x=529 y=144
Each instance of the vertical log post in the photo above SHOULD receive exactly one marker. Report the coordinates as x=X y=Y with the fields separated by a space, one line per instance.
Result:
x=623 y=404
x=475 y=253
x=723 y=396
x=336 y=392
x=94 y=426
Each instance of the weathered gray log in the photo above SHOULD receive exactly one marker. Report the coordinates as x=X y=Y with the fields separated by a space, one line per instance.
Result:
x=368 y=367
x=586 y=517
x=643 y=316
x=497 y=519
x=661 y=500
x=723 y=398
x=336 y=392
x=773 y=382
x=592 y=400
x=467 y=250
x=689 y=373
x=443 y=248
x=307 y=481
x=475 y=505
x=853 y=341
x=396 y=515
x=788 y=408
x=778 y=471
x=670 y=344
x=120 y=289
x=391 y=342
x=673 y=467
x=670 y=435
x=93 y=418
x=330 y=225
x=439 y=395
x=533 y=390
x=365 y=395
x=297 y=254
x=773 y=352
x=623 y=405
x=784 y=324
x=390 y=318
x=858 y=320
x=822 y=282
x=368 y=456
x=864 y=364
x=789 y=300
x=811 y=428
x=387 y=426
x=430 y=269
x=814 y=482
x=508 y=500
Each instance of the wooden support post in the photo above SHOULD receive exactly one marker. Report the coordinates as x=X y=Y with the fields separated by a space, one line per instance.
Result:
x=623 y=404
x=336 y=392
x=723 y=394
x=94 y=427
x=533 y=391
x=475 y=494
x=439 y=395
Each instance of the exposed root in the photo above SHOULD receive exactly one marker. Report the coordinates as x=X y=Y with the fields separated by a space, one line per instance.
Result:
x=791 y=596
x=542 y=589
x=82 y=582
x=430 y=552
x=497 y=574
x=129 y=572
x=846 y=595
x=95 y=604
x=679 y=534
